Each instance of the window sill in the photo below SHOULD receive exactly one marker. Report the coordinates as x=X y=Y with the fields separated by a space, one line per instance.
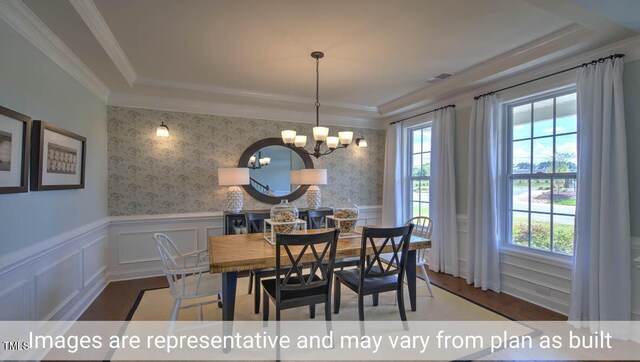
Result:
x=560 y=261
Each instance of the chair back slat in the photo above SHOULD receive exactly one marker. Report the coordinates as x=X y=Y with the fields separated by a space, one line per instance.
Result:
x=316 y=219
x=255 y=221
x=371 y=266
x=423 y=228
x=296 y=247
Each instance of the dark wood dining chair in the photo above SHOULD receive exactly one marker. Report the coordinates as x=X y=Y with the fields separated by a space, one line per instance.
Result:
x=316 y=219
x=291 y=287
x=255 y=224
x=373 y=276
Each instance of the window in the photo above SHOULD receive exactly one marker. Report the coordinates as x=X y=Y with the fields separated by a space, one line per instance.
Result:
x=420 y=158
x=542 y=166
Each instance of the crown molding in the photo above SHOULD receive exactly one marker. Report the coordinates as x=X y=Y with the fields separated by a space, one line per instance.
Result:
x=93 y=19
x=630 y=47
x=237 y=110
x=241 y=94
x=527 y=54
x=27 y=24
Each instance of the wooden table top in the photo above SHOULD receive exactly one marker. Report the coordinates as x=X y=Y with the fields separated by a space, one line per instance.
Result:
x=229 y=253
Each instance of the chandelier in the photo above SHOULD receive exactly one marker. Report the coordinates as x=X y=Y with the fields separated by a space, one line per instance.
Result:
x=259 y=162
x=320 y=134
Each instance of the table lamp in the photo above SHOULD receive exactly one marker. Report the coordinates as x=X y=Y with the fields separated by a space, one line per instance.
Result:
x=233 y=177
x=313 y=177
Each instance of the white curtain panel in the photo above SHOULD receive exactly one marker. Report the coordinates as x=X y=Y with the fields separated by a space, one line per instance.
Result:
x=485 y=199
x=392 y=202
x=601 y=286
x=442 y=194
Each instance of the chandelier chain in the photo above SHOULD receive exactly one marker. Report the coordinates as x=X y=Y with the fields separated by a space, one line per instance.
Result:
x=317 y=92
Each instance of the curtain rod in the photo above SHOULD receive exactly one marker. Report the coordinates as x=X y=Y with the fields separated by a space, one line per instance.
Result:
x=593 y=62
x=422 y=114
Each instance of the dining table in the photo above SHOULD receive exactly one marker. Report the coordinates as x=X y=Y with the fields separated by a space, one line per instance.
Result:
x=232 y=254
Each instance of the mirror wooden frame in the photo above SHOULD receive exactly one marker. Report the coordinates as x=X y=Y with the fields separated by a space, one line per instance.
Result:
x=251 y=150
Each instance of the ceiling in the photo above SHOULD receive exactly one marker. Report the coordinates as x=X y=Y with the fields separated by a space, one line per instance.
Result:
x=255 y=53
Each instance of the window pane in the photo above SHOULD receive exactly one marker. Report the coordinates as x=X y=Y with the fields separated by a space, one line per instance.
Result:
x=415 y=211
x=522 y=121
x=424 y=209
x=541 y=231
x=416 y=167
x=541 y=195
x=564 y=196
x=566 y=119
x=417 y=141
x=563 y=234
x=543 y=155
x=426 y=140
x=415 y=190
x=520 y=228
x=424 y=190
x=426 y=164
x=566 y=153
x=521 y=154
x=520 y=195
x=543 y=118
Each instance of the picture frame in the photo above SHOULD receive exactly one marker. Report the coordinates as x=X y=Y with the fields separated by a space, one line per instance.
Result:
x=58 y=158
x=14 y=151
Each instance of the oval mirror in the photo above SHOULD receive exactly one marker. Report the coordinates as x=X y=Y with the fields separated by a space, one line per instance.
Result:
x=270 y=163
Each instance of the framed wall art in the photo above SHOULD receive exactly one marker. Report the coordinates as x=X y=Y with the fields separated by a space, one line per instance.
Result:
x=14 y=151
x=58 y=158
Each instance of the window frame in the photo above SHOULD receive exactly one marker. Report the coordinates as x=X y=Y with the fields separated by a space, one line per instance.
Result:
x=409 y=162
x=507 y=108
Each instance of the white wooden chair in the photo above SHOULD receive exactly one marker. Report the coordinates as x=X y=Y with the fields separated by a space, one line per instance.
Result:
x=188 y=275
x=423 y=228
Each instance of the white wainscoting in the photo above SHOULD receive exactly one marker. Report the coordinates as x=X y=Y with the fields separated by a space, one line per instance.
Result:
x=57 y=278
x=134 y=255
x=542 y=281
x=60 y=277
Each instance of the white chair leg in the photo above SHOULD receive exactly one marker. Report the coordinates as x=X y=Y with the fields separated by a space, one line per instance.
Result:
x=176 y=309
x=426 y=278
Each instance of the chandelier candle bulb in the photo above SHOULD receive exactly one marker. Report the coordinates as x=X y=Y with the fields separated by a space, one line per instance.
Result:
x=300 y=141
x=332 y=142
x=289 y=136
x=345 y=137
x=320 y=133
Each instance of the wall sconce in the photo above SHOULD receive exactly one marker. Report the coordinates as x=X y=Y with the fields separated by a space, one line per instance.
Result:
x=361 y=142
x=162 y=131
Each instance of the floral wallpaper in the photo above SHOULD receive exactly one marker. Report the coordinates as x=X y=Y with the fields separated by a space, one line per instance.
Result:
x=151 y=175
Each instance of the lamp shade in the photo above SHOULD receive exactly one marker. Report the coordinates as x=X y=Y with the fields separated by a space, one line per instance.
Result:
x=233 y=176
x=313 y=176
x=295 y=177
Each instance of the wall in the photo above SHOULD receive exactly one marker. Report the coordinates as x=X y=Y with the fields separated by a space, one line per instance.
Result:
x=149 y=175
x=30 y=83
x=53 y=244
x=545 y=280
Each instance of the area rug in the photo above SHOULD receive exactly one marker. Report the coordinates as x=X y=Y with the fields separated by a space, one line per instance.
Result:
x=156 y=304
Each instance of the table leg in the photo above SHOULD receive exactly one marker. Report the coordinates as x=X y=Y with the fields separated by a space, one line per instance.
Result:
x=229 y=284
x=411 y=278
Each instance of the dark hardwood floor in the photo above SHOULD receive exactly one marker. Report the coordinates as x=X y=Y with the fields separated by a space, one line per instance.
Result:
x=115 y=302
